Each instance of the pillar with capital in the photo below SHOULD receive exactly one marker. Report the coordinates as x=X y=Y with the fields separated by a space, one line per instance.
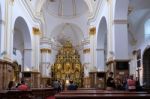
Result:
x=45 y=63
x=27 y=57
x=100 y=62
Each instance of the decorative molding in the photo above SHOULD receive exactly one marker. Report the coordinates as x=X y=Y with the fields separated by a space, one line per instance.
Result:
x=30 y=11
x=45 y=50
x=36 y=31
x=92 y=31
x=99 y=9
x=27 y=49
x=120 y=21
x=100 y=49
x=7 y=58
x=87 y=50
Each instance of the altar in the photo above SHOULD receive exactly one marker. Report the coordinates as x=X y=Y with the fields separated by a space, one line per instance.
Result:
x=67 y=65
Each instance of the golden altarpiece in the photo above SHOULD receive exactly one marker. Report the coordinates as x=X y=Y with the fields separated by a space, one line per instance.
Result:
x=67 y=65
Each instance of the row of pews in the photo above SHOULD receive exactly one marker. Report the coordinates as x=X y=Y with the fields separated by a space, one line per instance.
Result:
x=101 y=94
x=34 y=93
x=43 y=93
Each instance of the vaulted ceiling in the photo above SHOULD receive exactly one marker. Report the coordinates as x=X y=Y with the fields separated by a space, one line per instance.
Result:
x=66 y=8
x=139 y=10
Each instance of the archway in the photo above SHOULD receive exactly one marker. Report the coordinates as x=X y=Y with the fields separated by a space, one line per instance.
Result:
x=67 y=32
x=22 y=43
x=146 y=68
x=102 y=44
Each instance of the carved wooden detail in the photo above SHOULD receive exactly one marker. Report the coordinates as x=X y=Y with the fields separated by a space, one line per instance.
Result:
x=67 y=65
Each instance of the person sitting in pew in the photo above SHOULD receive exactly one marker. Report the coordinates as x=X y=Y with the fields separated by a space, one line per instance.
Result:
x=72 y=86
x=23 y=86
x=11 y=85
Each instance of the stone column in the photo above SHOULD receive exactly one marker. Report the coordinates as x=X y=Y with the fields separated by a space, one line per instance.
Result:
x=2 y=24
x=86 y=62
x=45 y=63
x=36 y=57
x=8 y=30
x=45 y=66
x=92 y=32
x=100 y=62
x=36 y=49
x=120 y=39
x=27 y=60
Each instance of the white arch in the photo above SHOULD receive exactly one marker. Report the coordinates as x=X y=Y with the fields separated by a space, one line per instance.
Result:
x=102 y=44
x=76 y=31
x=22 y=34
x=41 y=3
x=21 y=25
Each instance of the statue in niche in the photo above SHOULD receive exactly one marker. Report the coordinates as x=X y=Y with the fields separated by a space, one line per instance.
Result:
x=58 y=76
x=58 y=67
x=68 y=69
x=77 y=74
x=77 y=67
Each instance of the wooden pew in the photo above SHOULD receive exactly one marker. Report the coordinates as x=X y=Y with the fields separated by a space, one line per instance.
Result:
x=102 y=96
x=42 y=92
x=100 y=92
x=35 y=93
x=95 y=94
x=3 y=94
x=16 y=94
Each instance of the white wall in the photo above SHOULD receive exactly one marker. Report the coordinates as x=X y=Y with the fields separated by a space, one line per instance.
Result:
x=13 y=11
x=102 y=12
x=2 y=27
x=141 y=44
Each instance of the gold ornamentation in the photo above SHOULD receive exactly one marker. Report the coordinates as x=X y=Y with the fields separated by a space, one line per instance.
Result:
x=67 y=65
x=36 y=31
x=86 y=50
x=45 y=50
x=92 y=31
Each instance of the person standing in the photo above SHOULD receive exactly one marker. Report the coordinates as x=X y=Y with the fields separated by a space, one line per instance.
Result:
x=110 y=82
x=131 y=83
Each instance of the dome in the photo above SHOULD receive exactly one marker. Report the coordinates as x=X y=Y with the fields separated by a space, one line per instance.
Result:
x=66 y=8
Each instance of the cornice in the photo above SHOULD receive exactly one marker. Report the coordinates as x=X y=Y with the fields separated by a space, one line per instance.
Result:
x=98 y=9
x=30 y=11
x=120 y=21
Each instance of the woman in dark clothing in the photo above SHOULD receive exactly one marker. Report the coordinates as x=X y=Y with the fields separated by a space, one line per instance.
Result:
x=110 y=82
x=11 y=85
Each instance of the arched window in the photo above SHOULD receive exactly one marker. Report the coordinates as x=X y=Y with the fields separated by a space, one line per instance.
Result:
x=147 y=30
